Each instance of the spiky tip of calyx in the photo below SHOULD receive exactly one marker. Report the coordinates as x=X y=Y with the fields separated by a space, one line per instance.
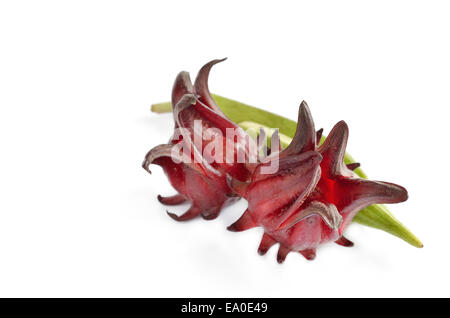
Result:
x=315 y=198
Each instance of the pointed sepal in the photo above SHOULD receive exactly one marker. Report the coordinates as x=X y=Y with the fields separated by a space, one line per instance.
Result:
x=181 y=87
x=319 y=136
x=352 y=166
x=172 y=200
x=343 y=241
x=333 y=149
x=282 y=253
x=309 y=254
x=188 y=215
x=266 y=243
x=245 y=222
x=305 y=135
x=201 y=86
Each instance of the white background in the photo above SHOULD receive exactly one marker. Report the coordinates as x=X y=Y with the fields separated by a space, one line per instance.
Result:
x=78 y=214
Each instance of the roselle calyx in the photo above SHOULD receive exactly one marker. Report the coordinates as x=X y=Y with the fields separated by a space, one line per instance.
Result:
x=376 y=216
x=313 y=196
x=199 y=176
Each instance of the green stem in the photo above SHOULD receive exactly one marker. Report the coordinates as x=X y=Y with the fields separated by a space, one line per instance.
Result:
x=249 y=117
x=162 y=108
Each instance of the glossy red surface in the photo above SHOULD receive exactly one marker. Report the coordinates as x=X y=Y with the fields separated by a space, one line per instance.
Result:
x=313 y=197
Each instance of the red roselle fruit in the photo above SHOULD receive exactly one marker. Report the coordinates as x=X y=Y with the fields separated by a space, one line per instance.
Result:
x=312 y=197
x=197 y=174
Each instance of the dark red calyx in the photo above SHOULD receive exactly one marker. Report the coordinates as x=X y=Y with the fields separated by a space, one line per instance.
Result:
x=199 y=174
x=313 y=196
